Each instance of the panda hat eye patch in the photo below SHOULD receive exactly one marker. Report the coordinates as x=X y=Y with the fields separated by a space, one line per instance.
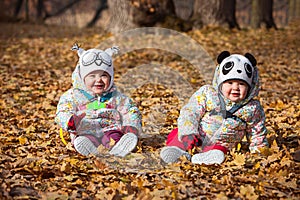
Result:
x=248 y=70
x=227 y=67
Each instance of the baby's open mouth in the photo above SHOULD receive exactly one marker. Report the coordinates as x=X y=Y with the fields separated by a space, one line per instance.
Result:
x=99 y=86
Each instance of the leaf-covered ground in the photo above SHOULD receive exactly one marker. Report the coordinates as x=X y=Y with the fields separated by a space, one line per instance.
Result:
x=35 y=68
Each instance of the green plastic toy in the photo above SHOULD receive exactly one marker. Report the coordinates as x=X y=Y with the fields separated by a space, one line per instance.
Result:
x=96 y=105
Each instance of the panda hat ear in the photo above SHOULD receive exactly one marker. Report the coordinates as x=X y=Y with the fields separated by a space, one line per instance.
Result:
x=251 y=59
x=222 y=56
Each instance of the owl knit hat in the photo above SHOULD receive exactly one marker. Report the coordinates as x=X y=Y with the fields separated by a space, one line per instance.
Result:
x=236 y=66
x=95 y=59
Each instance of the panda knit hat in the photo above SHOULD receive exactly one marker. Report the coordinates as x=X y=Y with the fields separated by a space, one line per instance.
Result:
x=95 y=59
x=236 y=66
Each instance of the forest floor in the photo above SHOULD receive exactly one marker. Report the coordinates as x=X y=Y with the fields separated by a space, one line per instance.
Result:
x=35 y=69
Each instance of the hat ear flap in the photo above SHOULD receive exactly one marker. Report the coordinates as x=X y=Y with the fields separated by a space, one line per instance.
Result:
x=80 y=51
x=113 y=50
x=222 y=56
x=251 y=59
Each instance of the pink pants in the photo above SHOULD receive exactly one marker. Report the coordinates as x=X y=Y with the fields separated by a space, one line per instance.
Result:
x=189 y=142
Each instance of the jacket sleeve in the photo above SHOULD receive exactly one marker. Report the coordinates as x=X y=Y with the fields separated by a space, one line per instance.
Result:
x=131 y=115
x=192 y=113
x=256 y=129
x=65 y=109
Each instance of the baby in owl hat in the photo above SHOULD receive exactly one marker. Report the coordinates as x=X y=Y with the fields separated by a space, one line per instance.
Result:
x=93 y=111
x=218 y=116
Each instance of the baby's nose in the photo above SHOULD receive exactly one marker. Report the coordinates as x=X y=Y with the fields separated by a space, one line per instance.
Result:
x=239 y=71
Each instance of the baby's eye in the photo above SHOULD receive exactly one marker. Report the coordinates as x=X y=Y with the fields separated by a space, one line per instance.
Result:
x=92 y=76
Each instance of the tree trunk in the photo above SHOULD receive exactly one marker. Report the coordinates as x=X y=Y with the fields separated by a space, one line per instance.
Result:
x=61 y=10
x=266 y=10
x=184 y=9
x=205 y=12
x=102 y=6
x=227 y=13
x=294 y=9
x=18 y=7
x=262 y=11
x=255 y=14
x=150 y=12
x=26 y=10
x=39 y=9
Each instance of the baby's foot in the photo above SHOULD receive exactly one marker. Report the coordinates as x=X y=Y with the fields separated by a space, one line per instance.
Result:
x=85 y=146
x=210 y=157
x=125 y=145
x=171 y=154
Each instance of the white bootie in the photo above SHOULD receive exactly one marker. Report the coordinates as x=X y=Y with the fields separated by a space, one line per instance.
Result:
x=210 y=157
x=172 y=153
x=85 y=146
x=125 y=145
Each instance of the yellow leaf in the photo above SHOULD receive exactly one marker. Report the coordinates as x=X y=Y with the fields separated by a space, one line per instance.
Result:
x=257 y=165
x=22 y=140
x=16 y=96
x=274 y=157
x=274 y=146
x=79 y=182
x=70 y=177
x=238 y=148
x=221 y=196
x=239 y=159
x=248 y=192
x=111 y=142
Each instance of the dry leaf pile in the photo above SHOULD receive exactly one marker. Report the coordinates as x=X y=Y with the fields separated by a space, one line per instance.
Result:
x=35 y=69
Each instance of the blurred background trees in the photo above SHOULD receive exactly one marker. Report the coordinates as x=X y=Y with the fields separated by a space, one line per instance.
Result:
x=176 y=14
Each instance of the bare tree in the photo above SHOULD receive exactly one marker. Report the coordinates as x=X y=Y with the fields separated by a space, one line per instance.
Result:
x=205 y=12
x=227 y=12
x=215 y=12
x=262 y=12
x=40 y=9
x=101 y=7
x=150 y=12
x=61 y=10
x=294 y=9
x=19 y=6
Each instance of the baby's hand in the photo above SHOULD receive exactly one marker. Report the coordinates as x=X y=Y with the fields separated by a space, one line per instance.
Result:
x=78 y=118
x=75 y=121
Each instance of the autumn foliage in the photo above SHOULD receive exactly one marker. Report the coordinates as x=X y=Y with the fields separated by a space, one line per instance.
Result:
x=35 y=68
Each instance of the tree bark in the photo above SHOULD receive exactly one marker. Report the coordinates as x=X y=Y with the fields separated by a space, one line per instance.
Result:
x=18 y=7
x=150 y=12
x=205 y=12
x=227 y=13
x=39 y=9
x=266 y=10
x=255 y=14
x=62 y=10
x=262 y=12
x=102 y=6
x=294 y=9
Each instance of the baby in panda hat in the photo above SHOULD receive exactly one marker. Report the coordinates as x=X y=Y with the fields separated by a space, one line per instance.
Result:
x=218 y=116
x=93 y=111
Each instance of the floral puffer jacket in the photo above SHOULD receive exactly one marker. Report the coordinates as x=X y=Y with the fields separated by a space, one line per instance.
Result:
x=111 y=111
x=202 y=116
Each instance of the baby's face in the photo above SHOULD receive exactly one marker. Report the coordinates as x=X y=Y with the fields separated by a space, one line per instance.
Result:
x=234 y=90
x=97 y=81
